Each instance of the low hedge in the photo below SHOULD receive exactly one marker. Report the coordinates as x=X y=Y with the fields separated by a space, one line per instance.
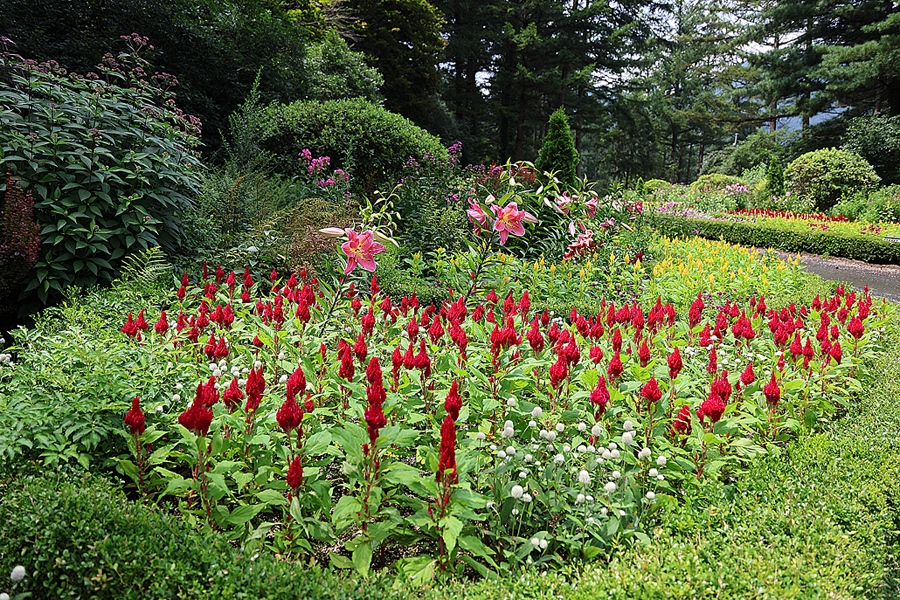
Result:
x=868 y=248
x=81 y=538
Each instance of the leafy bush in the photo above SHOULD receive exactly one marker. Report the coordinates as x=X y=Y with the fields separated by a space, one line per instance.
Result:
x=558 y=153
x=881 y=205
x=360 y=137
x=81 y=538
x=877 y=139
x=651 y=185
x=775 y=178
x=824 y=176
x=756 y=148
x=110 y=168
x=337 y=72
x=715 y=181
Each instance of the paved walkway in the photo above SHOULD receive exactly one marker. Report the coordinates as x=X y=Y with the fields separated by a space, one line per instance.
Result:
x=883 y=280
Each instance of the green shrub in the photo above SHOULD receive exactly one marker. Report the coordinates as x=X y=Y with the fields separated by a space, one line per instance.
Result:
x=715 y=181
x=81 y=538
x=651 y=185
x=108 y=171
x=360 y=137
x=824 y=176
x=558 y=152
x=335 y=71
x=401 y=273
x=757 y=148
x=881 y=205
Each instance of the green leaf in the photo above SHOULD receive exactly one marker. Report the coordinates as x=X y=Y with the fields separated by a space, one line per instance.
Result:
x=243 y=514
x=362 y=559
x=271 y=498
x=452 y=528
x=340 y=562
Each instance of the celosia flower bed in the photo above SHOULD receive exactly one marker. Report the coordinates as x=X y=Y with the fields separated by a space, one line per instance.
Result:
x=307 y=419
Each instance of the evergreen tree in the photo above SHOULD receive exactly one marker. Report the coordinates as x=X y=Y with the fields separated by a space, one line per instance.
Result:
x=775 y=178
x=558 y=152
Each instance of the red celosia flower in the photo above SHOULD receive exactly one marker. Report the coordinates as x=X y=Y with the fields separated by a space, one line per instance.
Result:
x=748 y=376
x=696 y=311
x=524 y=305
x=712 y=408
x=436 y=331
x=360 y=349
x=210 y=349
x=375 y=420
x=290 y=415
x=221 y=349
x=682 y=422
x=422 y=361
x=856 y=328
x=375 y=393
x=617 y=341
x=582 y=326
x=675 y=363
x=596 y=354
x=558 y=372
x=615 y=367
x=141 y=322
x=796 y=348
x=162 y=325
x=492 y=297
x=644 y=353
x=232 y=396
x=134 y=418
x=571 y=352
x=772 y=392
x=600 y=396
x=196 y=418
x=651 y=393
x=254 y=387
x=295 y=474
x=836 y=352
x=129 y=328
x=447 y=464
x=713 y=366
x=346 y=370
x=453 y=402
x=296 y=383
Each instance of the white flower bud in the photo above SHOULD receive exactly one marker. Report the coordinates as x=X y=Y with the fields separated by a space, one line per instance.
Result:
x=582 y=427
x=543 y=434
x=281 y=356
x=560 y=427
x=661 y=477
x=582 y=449
x=257 y=364
x=218 y=373
x=18 y=573
x=501 y=454
x=551 y=436
x=661 y=461
x=579 y=499
x=222 y=364
x=537 y=412
x=615 y=454
x=283 y=379
x=517 y=491
x=543 y=544
x=559 y=459
x=493 y=447
x=653 y=473
x=522 y=474
x=179 y=387
x=528 y=458
x=511 y=451
x=591 y=448
x=628 y=426
x=610 y=487
x=627 y=438
x=606 y=455
x=532 y=424
x=508 y=424
x=480 y=436
x=589 y=498
x=613 y=445
x=584 y=478
x=616 y=475
x=212 y=366
x=596 y=430
x=535 y=542
x=645 y=453
x=511 y=402
x=651 y=496
x=603 y=511
x=176 y=397
x=567 y=448
x=526 y=498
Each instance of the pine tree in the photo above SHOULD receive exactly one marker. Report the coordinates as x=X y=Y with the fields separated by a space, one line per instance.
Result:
x=558 y=152
x=775 y=178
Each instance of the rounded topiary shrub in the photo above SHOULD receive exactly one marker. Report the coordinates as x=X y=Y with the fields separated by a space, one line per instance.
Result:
x=366 y=140
x=716 y=181
x=652 y=185
x=824 y=176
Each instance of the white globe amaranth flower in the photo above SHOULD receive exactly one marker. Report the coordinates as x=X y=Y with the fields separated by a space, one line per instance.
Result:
x=661 y=477
x=645 y=453
x=559 y=459
x=159 y=408
x=517 y=491
x=622 y=513
x=628 y=426
x=591 y=448
x=18 y=573
x=551 y=436
x=217 y=386
x=560 y=427
x=493 y=447
x=281 y=356
x=579 y=499
x=515 y=512
x=283 y=379
x=489 y=505
x=653 y=473
x=511 y=402
x=582 y=427
x=543 y=544
x=543 y=434
x=4 y=596
x=217 y=373
x=526 y=498
x=176 y=397
x=584 y=478
x=537 y=412
x=589 y=498
x=606 y=455
x=222 y=364
x=596 y=430
x=610 y=487
x=651 y=496
x=590 y=520
x=616 y=475
x=615 y=453
x=603 y=511
x=212 y=366
x=242 y=382
x=179 y=387
x=661 y=461
x=245 y=371
x=582 y=449
x=528 y=458
x=522 y=474
x=535 y=542
x=627 y=438
x=510 y=451
x=613 y=445
x=501 y=454
x=532 y=424
x=567 y=448
x=257 y=364
x=508 y=433
x=480 y=436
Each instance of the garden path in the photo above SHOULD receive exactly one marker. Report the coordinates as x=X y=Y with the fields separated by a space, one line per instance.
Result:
x=883 y=280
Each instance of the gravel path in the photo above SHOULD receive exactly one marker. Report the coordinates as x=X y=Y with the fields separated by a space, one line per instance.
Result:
x=883 y=280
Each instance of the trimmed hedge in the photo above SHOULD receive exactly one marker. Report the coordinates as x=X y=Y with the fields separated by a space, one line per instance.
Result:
x=83 y=539
x=360 y=137
x=868 y=248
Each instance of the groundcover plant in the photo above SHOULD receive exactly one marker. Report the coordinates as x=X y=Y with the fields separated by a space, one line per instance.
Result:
x=338 y=424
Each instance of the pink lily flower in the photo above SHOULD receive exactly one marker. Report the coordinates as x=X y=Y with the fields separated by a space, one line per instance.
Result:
x=509 y=220
x=360 y=250
x=477 y=215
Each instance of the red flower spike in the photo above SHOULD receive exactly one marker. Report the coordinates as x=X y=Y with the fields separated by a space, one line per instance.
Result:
x=675 y=363
x=447 y=463
x=436 y=331
x=140 y=322
x=290 y=415
x=600 y=396
x=360 y=349
x=748 y=376
x=617 y=340
x=134 y=418
x=596 y=354
x=232 y=396
x=182 y=292
x=682 y=423
x=651 y=393
x=644 y=353
x=615 y=367
x=412 y=329
x=129 y=328
x=712 y=367
x=712 y=408
x=409 y=358
x=772 y=393
x=296 y=384
x=221 y=349
x=836 y=352
x=453 y=402
x=295 y=474
x=856 y=328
